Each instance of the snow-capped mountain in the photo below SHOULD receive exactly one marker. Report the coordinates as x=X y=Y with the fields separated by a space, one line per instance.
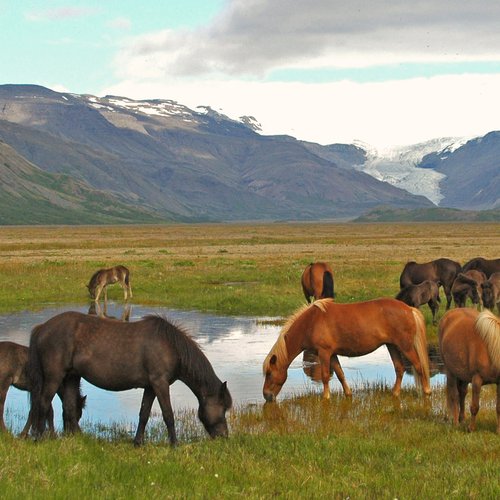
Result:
x=401 y=165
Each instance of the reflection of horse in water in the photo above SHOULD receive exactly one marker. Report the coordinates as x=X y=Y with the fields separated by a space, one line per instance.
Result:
x=95 y=309
x=470 y=348
x=356 y=329
x=104 y=277
x=317 y=281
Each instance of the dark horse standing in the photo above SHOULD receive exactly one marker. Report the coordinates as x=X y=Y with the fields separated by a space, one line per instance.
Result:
x=104 y=277
x=426 y=292
x=117 y=356
x=442 y=271
x=317 y=281
x=487 y=266
x=14 y=371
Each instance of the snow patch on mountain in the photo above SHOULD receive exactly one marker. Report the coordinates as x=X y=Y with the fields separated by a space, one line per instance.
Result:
x=399 y=165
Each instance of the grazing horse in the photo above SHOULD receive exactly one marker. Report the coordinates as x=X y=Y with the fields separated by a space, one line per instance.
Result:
x=104 y=277
x=117 y=356
x=469 y=342
x=487 y=266
x=317 y=281
x=490 y=292
x=467 y=285
x=356 y=329
x=426 y=292
x=442 y=271
x=14 y=371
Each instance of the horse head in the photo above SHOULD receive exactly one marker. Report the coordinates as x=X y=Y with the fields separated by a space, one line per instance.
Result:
x=212 y=412
x=275 y=377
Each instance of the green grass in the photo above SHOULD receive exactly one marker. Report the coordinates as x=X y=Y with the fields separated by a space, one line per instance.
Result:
x=372 y=446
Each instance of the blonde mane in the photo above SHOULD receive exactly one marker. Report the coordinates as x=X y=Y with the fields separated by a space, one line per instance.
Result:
x=488 y=327
x=279 y=348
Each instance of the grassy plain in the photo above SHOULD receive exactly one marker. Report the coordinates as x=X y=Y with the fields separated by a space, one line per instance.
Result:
x=370 y=447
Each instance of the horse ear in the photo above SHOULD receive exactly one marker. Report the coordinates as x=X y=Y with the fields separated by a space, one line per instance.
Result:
x=273 y=359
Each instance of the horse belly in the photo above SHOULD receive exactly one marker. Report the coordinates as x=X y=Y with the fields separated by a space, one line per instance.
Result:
x=109 y=376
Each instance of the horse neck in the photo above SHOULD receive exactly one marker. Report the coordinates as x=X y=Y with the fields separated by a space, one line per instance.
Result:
x=201 y=383
x=294 y=340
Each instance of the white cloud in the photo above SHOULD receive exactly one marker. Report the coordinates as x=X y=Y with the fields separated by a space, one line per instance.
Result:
x=60 y=13
x=120 y=23
x=251 y=37
x=382 y=114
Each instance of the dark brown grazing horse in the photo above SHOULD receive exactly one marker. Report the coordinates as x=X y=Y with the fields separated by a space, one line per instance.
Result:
x=104 y=277
x=333 y=329
x=469 y=342
x=490 y=292
x=317 y=281
x=426 y=292
x=14 y=371
x=487 y=266
x=467 y=285
x=117 y=356
x=442 y=271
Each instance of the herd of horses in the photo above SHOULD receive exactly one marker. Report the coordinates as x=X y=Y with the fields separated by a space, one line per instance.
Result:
x=152 y=353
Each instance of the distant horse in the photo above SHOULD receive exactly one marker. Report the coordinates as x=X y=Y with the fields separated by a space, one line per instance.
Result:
x=442 y=271
x=117 y=356
x=104 y=277
x=14 y=371
x=490 y=292
x=487 y=266
x=317 y=281
x=470 y=348
x=356 y=329
x=467 y=285
x=426 y=292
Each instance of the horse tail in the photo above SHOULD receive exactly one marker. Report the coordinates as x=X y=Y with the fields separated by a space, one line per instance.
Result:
x=35 y=377
x=420 y=344
x=328 y=286
x=488 y=327
x=127 y=278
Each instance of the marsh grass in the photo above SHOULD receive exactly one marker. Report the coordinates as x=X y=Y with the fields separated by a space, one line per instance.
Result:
x=370 y=446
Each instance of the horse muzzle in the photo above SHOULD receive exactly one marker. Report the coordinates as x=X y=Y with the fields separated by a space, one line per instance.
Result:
x=269 y=397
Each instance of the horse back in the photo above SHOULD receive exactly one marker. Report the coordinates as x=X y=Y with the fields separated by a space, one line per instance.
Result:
x=462 y=350
x=14 y=364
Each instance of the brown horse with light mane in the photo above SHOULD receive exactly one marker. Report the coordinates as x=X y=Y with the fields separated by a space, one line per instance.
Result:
x=470 y=348
x=104 y=277
x=355 y=329
x=317 y=281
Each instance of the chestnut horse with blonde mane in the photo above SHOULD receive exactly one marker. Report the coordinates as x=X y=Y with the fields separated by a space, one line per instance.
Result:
x=355 y=329
x=470 y=348
x=317 y=281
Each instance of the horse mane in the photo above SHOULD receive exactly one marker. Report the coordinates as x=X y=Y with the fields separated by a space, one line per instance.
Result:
x=488 y=327
x=279 y=348
x=93 y=279
x=194 y=362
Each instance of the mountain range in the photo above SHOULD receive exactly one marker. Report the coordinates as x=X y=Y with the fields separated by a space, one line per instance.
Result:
x=114 y=159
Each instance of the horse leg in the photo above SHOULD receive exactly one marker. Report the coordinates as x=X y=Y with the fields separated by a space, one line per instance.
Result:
x=434 y=308
x=412 y=356
x=447 y=292
x=3 y=394
x=498 y=408
x=477 y=382
x=324 y=361
x=162 y=391
x=44 y=405
x=69 y=396
x=462 y=393
x=452 y=397
x=335 y=364
x=147 y=402
x=98 y=293
x=399 y=367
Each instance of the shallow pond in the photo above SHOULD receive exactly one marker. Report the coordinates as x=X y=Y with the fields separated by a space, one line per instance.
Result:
x=236 y=347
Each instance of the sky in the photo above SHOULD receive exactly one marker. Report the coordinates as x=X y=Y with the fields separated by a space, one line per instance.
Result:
x=383 y=72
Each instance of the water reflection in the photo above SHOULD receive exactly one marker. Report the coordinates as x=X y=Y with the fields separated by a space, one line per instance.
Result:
x=236 y=347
